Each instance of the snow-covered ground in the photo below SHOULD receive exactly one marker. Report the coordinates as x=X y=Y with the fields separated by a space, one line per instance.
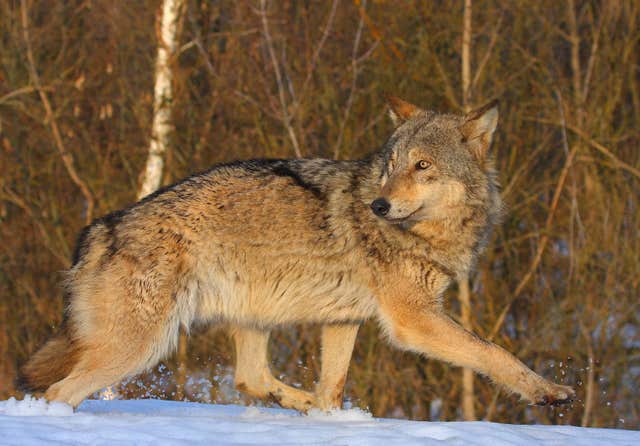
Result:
x=155 y=422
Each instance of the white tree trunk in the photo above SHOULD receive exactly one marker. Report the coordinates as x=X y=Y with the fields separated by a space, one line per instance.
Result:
x=162 y=97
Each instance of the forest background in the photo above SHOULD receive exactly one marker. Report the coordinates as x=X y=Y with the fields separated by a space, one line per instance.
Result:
x=560 y=281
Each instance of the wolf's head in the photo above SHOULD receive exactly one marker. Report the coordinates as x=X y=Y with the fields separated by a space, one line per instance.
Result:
x=436 y=166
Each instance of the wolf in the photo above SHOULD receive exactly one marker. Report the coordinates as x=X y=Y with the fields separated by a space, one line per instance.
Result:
x=261 y=244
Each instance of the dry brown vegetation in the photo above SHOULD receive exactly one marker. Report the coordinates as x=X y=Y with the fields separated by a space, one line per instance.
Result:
x=559 y=285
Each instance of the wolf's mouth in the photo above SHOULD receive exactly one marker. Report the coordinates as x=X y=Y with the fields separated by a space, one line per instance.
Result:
x=397 y=221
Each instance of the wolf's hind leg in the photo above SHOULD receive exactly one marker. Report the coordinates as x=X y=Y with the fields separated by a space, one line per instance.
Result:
x=253 y=374
x=337 y=347
x=96 y=369
x=107 y=355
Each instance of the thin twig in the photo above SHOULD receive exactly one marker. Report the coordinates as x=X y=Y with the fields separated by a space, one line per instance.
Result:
x=487 y=54
x=67 y=159
x=377 y=34
x=373 y=122
x=316 y=54
x=592 y=57
x=11 y=196
x=590 y=388
x=354 y=80
x=576 y=68
x=286 y=117
x=209 y=66
x=593 y=143
x=491 y=410
x=542 y=15
x=574 y=202
x=541 y=245
x=448 y=88
x=466 y=54
x=522 y=167
x=24 y=90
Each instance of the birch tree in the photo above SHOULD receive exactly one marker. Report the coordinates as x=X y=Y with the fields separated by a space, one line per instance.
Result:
x=162 y=96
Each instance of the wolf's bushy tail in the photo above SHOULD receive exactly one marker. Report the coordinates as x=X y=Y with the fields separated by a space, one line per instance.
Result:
x=51 y=363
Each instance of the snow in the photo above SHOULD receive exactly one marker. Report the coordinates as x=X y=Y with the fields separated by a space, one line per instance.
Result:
x=155 y=422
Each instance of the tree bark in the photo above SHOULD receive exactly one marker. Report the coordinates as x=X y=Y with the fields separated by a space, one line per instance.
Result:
x=163 y=96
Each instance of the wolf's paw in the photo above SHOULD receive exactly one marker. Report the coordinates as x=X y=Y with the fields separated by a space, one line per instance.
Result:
x=554 y=395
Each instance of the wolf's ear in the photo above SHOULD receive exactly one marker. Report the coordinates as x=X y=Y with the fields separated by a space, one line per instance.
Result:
x=399 y=110
x=478 y=127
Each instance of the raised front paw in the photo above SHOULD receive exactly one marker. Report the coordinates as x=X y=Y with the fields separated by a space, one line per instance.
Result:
x=554 y=395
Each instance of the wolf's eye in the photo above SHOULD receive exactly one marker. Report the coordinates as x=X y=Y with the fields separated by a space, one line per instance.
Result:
x=423 y=164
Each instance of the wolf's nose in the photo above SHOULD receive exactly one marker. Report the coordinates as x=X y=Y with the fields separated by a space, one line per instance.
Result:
x=380 y=207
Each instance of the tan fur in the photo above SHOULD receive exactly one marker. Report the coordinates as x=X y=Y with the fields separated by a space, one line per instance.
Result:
x=50 y=364
x=266 y=243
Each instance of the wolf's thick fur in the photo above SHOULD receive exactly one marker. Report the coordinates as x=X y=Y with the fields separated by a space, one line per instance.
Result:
x=266 y=243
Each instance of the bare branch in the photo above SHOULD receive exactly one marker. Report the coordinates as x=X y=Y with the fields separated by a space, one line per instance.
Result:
x=590 y=388
x=286 y=117
x=466 y=55
x=487 y=54
x=592 y=57
x=574 y=40
x=323 y=39
x=50 y=118
x=377 y=35
x=354 y=80
x=12 y=197
x=542 y=244
x=617 y=162
x=448 y=88
x=20 y=91
x=211 y=70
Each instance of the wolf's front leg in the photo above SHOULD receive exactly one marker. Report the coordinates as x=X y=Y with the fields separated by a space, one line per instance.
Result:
x=337 y=347
x=435 y=334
